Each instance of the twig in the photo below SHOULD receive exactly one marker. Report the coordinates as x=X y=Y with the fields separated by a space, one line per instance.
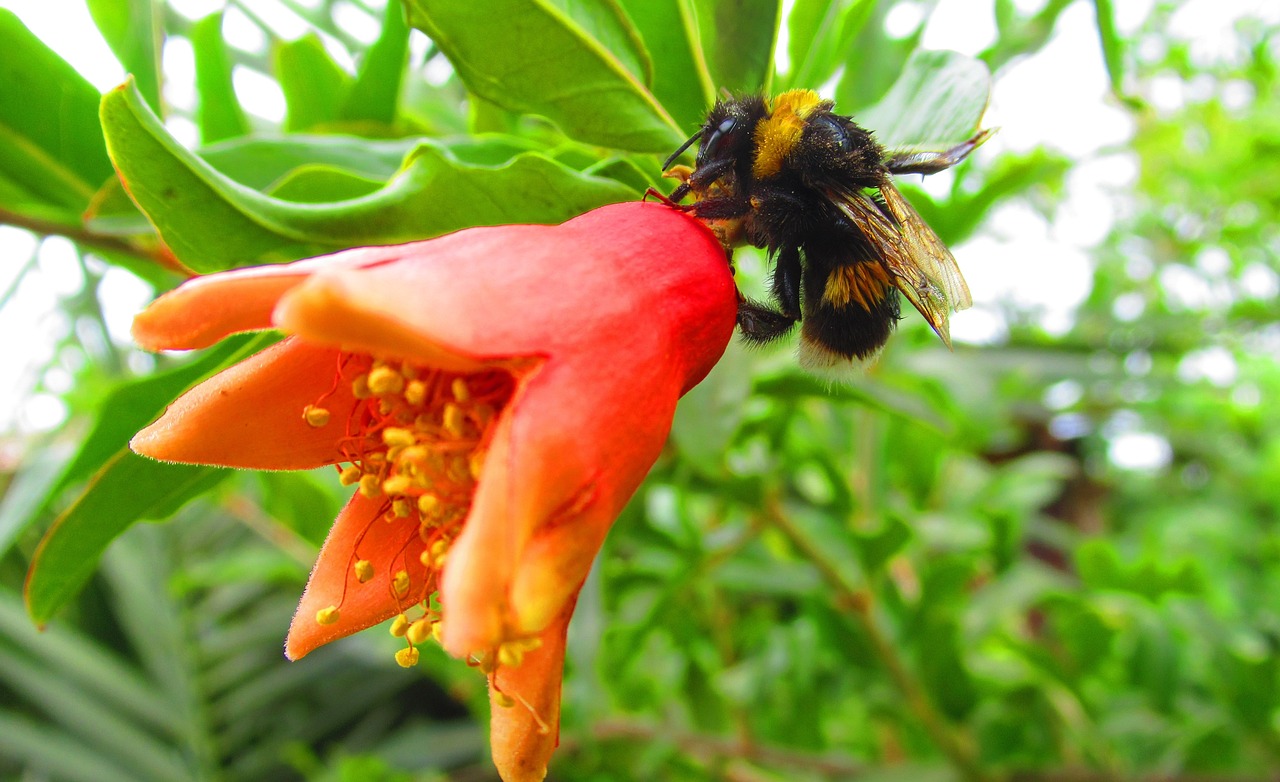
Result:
x=860 y=602
x=90 y=239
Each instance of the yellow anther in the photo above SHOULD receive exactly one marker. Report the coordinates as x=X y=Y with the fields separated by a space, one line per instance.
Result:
x=475 y=464
x=360 y=387
x=460 y=390
x=364 y=570
x=454 y=420
x=510 y=655
x=400 y=583
x=504 y=700
x=419 y=631
x=414 y=455
x=384 y=406
x=397 y=484
x=327 y=616
x=395 y=436
x=374 y=459
x=349 y=475
x=409 y=371
x=400 y=507
x=400 y=626
x=425 y=558
x=407 y=657
x=437 y=631
x=460 y=469
x=370 y=486
x=428 y=503
x=384 y=380
x=315 y=416
x=415 y=392
x=439 y=547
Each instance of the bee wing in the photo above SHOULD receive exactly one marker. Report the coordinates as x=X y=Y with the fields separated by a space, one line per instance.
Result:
x=923 y=268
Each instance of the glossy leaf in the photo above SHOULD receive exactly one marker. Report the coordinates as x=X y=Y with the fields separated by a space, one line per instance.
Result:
x=681 y=80
x=218 y=111
x=820 y=33
x=314 y=85
x=738 y=37
x=539 y=60
x=129 y=489
x=133 y=31
x=51 y=149
x=211 y=222
x=937 y=102
x=376 y=92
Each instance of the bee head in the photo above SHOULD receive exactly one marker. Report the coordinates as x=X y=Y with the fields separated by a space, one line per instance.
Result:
x=728 y=132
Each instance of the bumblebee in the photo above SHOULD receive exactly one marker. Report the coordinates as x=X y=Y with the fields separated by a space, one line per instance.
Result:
x=815 y=190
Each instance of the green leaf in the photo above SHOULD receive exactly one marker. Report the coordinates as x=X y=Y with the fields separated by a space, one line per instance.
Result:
x=539 y=60
x=873 y=61
x=314 y=85
x=218 y=111
x=260 y=162
x=608 y=24
x=212 y=222
x=133 y=31
x=738 y=37
x=129 y=489
x=820 y=32
x=51 y=150
x=937 y=102
x=680 y=77
x=376 y=91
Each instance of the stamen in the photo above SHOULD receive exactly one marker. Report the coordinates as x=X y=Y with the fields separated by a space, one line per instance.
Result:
x=315 y=416
x=419 y=631
x=384 y=381
x=400 y=626
x=460 y=391
x=407 y=657
x=327 y=616
x=400 y=583
x=414 y=441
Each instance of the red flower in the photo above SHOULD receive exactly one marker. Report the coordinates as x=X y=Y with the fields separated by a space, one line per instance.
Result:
x=496 y=395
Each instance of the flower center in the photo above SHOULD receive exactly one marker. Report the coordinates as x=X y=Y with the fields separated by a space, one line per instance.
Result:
x=415 y=442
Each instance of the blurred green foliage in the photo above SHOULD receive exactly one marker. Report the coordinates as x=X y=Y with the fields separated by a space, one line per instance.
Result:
x=947 y=569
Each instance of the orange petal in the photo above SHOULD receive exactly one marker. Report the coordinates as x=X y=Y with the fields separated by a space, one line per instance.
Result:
x=203 y=310
x=325 y=310
x=507 y=291
x=565 y=457
x=359 y=533
x=250 y=415
x=522 y=737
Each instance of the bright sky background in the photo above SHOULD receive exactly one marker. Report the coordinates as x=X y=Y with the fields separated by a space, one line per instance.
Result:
x=1057 y=97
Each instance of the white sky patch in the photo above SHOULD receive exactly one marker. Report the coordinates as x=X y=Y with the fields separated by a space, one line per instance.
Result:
x=122 y=296
x=241 y=32
x=180 y=73
x=961 y=26
x=357 y=23
x=1059 y=97
x=1139 y=451
x=1214 y=364
x=259 y=95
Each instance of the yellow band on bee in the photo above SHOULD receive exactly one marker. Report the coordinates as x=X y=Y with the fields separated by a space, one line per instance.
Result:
x=863 y=283
x=777 y=134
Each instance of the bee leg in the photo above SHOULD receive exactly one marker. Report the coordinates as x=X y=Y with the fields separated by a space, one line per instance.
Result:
x=721 y=208
x=761 y=324
x=933 y=162
x=786 y=281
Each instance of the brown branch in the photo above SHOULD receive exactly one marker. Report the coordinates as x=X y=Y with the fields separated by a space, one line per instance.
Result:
x=708 y=747
x=1094 y=775
x=859 y=603
x=87 y=238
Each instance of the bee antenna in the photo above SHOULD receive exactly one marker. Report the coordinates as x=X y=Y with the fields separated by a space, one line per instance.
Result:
x=681 y=150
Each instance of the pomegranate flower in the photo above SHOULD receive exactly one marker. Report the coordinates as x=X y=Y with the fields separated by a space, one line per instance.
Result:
x=495 y=396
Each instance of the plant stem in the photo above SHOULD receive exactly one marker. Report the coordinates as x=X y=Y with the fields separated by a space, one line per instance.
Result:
x=861 y=604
